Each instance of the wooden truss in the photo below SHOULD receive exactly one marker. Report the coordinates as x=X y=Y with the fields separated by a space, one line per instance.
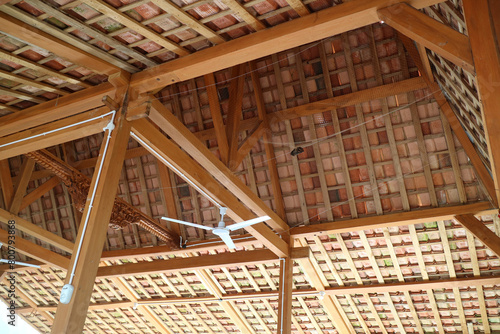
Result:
x=315 y=271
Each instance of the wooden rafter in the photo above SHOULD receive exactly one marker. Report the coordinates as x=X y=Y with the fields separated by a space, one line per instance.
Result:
x=24 y=81
x=50 y=111
x=192 y=263
x=328 y=302
x=184 y=138
x=39 y=192
x=75 y=25
x=215 y=111
x=480 y=231
x=185 y=18
x=242 y=12
x=430 y=33
x=236 y=87
x=328 y=22
x=453 y=121
x=37 y=232
x=22 y=183
x=48 y=134
x=389 y=220
x=147 y=32
x=192 y=170
x=324 y=105
x=266 y=135
x=480 y=17
x=6 y=182
x=299 y=7
x=36 y=252
x=21 y=30
x=29 y=64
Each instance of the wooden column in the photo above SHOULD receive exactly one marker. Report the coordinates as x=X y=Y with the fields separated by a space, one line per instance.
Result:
x=70 y=318
x=285 y=296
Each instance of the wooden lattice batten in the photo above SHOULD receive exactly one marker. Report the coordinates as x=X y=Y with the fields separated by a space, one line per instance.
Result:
x=78 y=186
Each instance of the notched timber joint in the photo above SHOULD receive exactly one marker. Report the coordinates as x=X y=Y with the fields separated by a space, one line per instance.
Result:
x=141 y=110
x=110 y=103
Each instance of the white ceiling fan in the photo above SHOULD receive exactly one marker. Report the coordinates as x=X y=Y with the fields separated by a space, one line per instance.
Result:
x=222 y=230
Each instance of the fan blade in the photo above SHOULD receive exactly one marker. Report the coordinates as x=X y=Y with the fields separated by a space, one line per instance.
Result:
x=228 y=241
x=246 y=223
x=188 y=223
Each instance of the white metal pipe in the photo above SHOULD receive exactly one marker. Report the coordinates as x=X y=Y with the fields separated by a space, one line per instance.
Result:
x=21 y=263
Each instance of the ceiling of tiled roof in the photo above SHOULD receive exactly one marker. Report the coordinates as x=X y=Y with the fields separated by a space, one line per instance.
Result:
x=362 y=152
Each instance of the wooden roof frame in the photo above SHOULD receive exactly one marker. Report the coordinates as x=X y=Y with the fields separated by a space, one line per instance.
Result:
x=341 y=18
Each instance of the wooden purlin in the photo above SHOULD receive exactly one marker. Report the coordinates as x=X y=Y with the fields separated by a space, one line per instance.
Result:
x=332 y=21
x=79 y=185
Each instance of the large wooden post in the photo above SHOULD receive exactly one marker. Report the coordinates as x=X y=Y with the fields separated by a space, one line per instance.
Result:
x=70 y=318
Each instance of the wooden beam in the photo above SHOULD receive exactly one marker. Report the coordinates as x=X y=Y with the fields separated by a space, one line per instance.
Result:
x=6 y=182
x=390 y=220
x=299 y=7
x=247 y=145
x=189 y=263
x=326 y=104
x=292 y=113
x=165 y=149
x=448 y=283
x=39 y=192
x=476 y=161
x=481 y=232
x=267 y=136
x=184 y=138
x=33 y=65
x=36 y=252
x=46 y=135
x=22 y=96
x=482 y=18
x=338 y=19
x=285 y=296
x=30 y=82
x=419 y=285
x=37 y=232
x=34 y=36
x=327 y=302
x=169 y=196
x=432 y=34
x=56 y=109
x=131 y=23
x=218 y=121
x=195 y=246
x=70 y=317
x=76 y=25
x=22 y=184
x=188 y=20
x=234 y=114
x=242 y=12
